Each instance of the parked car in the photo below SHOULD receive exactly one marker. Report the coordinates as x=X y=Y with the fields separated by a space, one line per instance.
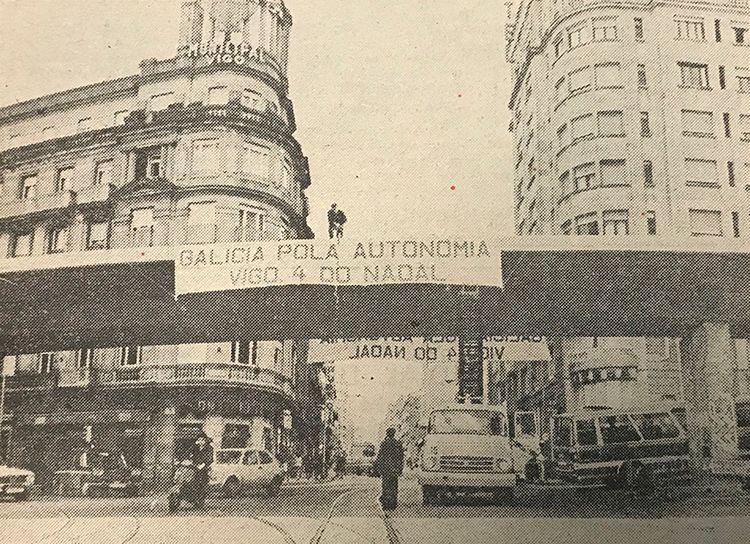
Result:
x=238 y=469
x=15 y=482
x=110 y=474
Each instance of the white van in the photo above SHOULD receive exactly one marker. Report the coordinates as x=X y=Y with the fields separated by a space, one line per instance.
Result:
x=467 y=449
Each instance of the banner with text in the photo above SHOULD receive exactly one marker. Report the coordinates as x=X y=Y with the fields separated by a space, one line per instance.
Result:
x=438 y=349
x=296 y=262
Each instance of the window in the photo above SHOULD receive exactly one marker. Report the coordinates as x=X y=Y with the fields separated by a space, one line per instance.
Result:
x=587 y=225
x=582 y=127
x=648 y=174
x=584 y=176
x=615 y=222
x=736 y=224
x=717 y=30
x=642 y=81
x=651 y=223
x=256 y=161
x=607 y=75
x=694 y=76
x=559 y=47
x=740 y=34
x=700 y=172
x=561 y=90
x=727 y=126
x=103 y=173
x=610 y=123
x=645 y=125
x=57 y=240
x=578 y=35
x=656 y=426
x=705 y=223
x=142 y=226
x=84 y=357
x=120 y=117
x=85 y=124
x=743 y=80
x=162 y=101
x=613 y=172
x=730 y=173
x=46 y=363
x=580 y=79
x=241 y=351
x=22 y=244
x=130 y=355
x=154 y=165
x=202 y=213
x=218 y=96
x=64 y=179
x=251 y=99
x=617 y=429
x=697 y=123
x=205 y=155
x=638 y=28
x=286 y=175
x=745 y=126
x=586 y=432
x=28 y=187
x=96 y=237
x=251 y=224
x=722 y=78
x=690 y=29
x=605 y=29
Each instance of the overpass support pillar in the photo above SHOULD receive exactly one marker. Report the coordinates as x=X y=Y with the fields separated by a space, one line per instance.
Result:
x=709 y=367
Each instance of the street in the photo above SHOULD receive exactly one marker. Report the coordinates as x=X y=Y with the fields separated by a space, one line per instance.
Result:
x=346 y=511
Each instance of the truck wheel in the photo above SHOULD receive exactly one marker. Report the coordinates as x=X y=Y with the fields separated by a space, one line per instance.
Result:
x=231 y=487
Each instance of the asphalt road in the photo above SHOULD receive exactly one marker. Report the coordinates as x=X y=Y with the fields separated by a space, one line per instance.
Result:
x=346 y=511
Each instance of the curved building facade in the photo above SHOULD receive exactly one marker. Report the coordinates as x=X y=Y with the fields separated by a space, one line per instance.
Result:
x=196 y=149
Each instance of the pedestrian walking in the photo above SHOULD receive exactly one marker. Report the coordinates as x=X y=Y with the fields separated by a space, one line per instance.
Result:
x=336 y=220
x=389 y=464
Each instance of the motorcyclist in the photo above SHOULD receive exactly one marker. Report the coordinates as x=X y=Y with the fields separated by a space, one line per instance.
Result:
x=202 y=456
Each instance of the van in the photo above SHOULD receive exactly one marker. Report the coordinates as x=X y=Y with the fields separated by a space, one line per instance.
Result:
x=616 y=448
x=467 y=449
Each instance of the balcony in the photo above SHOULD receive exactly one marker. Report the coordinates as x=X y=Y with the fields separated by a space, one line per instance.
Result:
x=195 y=373
x=94 y=194
x=30 y=382
x=43 y=203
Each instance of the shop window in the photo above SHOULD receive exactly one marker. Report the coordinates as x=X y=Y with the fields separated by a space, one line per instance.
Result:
x=264 y=456
x=130 y=355
x=103 y=173
x=613 y=172
x=697 y=123
x=610 y=123
x=97 y=235
x=235 y=436
x=57 y=240
x=615 y=222
x=607 y=76
x=701 y=172
x=689 y=28
x=705 y=223
x=29 y=187
x=693 y=76
x=64 y=180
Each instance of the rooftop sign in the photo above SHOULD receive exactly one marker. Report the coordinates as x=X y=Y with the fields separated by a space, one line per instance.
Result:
x=351 y=262
x=225 y=53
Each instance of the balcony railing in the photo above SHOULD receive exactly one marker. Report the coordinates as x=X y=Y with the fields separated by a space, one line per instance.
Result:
x=191 y=373
x=41 y=203
x=27 y=382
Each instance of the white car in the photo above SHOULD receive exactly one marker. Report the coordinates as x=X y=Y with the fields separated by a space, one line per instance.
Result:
x=15 y=482
x=235 y=470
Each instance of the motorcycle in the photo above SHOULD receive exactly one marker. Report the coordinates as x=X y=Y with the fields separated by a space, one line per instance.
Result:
x=187 y=487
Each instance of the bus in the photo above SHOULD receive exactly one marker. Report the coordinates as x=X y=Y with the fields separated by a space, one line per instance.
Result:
x=617 y=448
x=467 y=449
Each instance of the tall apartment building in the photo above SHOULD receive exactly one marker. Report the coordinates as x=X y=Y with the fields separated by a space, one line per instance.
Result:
x=195 y=149
x=629 y=118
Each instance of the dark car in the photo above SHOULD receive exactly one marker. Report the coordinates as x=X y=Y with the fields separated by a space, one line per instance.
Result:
x=110 y=474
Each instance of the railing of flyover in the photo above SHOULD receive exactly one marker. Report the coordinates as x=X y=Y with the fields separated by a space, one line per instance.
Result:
x=186 y=373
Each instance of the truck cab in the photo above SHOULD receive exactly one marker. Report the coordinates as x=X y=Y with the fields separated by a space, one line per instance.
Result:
x=467 y=449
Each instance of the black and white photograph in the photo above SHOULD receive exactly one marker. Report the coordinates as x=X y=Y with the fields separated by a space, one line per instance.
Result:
x=368 y=272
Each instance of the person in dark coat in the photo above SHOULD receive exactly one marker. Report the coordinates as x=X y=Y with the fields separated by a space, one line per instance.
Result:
x=202 y=456
x=336 y=220
x=389 y=464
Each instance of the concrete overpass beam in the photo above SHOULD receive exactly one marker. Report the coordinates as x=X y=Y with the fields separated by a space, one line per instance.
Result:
x=709 y=368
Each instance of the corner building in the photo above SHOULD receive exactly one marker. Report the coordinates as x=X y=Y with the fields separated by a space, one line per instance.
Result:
x=628 y=118
x=195 y=149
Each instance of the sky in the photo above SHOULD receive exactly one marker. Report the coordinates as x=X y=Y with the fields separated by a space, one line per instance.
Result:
x=401 y=108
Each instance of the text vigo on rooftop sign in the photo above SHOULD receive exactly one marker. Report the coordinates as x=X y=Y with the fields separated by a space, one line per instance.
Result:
x=297 y=262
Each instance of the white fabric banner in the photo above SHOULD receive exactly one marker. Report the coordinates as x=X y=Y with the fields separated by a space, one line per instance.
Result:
x=296 y=262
